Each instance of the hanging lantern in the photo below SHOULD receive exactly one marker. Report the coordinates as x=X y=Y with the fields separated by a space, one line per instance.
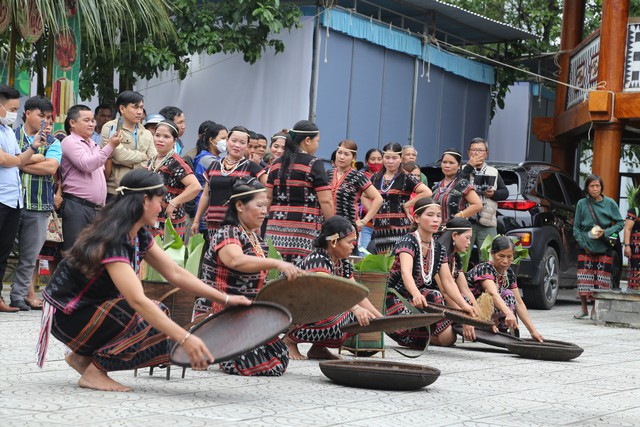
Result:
x=29 y=23
x=5 y=19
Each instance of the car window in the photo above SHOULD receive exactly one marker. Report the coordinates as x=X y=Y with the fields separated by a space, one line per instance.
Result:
x=551 y=188
x=573 y=192
x=510 y=181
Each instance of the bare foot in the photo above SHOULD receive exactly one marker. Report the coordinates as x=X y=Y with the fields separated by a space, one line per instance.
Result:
x=292 y=346
x=321 y=353
x=77 y=362
x=95 y=379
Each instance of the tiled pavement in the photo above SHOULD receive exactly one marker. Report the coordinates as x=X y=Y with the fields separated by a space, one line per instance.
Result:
x=476 y=388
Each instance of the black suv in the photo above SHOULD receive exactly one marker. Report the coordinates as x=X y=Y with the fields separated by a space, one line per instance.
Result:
x=539 y=210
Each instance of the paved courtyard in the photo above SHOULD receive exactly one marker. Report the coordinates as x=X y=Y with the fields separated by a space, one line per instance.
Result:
x=479 y=386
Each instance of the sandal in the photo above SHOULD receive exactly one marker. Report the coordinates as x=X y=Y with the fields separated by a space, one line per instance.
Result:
x=35 y=303
x=580 y=315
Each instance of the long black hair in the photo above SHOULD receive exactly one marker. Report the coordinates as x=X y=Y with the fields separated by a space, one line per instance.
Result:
x=239 y=186
x=114 y=221
x=301 y=130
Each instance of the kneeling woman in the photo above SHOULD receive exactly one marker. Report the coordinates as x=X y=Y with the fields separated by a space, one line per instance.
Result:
x=419 y=259
x=95 y=303
x=497 y=279
x=235 y=263
x=333 y=247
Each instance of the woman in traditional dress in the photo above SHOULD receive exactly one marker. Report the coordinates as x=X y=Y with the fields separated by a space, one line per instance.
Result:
x=95 y=303
x=212 y=146
x=455 y=194
x=235 y=264
x=394 y=217
x=632 y=245
x=373 y=164
x=331 y=256
x=220 y=177
x=299 y=194
x=597 y=220
x=419 y=259
x=348 y=184
x=182 y=184
x=497 y=279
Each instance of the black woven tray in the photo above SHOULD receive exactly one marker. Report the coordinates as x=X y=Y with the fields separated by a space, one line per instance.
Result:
x=378 y=374
x=394 y=323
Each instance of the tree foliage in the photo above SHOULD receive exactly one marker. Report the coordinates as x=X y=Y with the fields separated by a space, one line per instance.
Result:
x=228 y=26
x=140 y=39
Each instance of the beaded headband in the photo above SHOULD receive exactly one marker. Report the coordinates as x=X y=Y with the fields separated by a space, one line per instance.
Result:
x=245 y=193
x=457 y=229
x=168 y=125
x=399 y=153
x=452 y=153
x=348 y=149
x=421 y=208
x=122 y=188
x=344 y=233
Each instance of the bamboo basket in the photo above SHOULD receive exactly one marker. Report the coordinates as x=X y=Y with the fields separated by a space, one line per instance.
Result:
x=179 y=303
x=369 y=343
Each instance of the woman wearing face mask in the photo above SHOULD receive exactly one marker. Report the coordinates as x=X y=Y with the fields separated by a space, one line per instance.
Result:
x=220 y=177
x=331 y=256
x=182 y=185
x=419 y=260
x=373 y=164
x=456 y=195
x=348 y=184
x=394 y=217
x=299 y=194
x=211 y=147
x=497 y=279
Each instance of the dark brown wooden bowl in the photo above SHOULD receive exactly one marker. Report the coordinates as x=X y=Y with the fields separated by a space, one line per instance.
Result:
x=552 y=350
x=499 y=339
x=378 y=374
x=313 y=297
x=394 y=323
x=236 y=330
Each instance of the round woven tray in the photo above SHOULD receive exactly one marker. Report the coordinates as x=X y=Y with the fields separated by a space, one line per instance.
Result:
x=498 y=339
x=236 y=330
x=394 y=323
x=552 y=350
x=313 y=297
x=378 y=374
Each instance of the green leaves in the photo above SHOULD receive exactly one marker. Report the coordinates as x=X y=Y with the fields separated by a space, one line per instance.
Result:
x=519 y=253
x=375 y=263
x=273 y=254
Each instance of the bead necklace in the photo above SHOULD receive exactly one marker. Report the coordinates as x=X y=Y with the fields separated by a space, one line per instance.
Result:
x=255 y=243
x=163 y=162
x=386 y=190
x=223 y=166
x=336 y=182
x=426 y=278
x=336 y=269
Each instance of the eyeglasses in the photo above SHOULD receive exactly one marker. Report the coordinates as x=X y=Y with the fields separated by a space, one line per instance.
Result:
x=478 y=150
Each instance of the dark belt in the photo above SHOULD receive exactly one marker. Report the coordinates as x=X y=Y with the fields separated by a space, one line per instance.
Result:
x=82 y=201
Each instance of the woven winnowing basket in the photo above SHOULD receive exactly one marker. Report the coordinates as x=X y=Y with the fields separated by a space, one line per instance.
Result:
x=179 y=303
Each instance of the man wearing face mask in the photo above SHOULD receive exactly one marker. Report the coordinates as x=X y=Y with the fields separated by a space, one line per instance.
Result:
x=11 y=158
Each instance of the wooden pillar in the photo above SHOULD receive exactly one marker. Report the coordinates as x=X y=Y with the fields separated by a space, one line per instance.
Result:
x=608 y=136
x=563 y=149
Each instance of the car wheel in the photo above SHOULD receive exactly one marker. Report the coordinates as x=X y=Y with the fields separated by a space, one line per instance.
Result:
x=543 y=292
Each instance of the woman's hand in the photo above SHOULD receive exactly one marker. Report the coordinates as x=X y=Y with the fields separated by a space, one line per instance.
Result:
x=290 y=270
x=238 y=300
x=536 y=336
x=362 y=315
x=469 y=332
x=627 y=251
x=169 y=210
x=57 y=201
x=360 y=223
x=195 y=227
x=471 y=310
x=511 y=321
x=419 y=301
x=198 y=353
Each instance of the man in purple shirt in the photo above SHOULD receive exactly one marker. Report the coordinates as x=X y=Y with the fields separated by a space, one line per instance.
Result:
x=84 y=186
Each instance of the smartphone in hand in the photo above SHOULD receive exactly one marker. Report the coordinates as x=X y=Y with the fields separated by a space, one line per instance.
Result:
x=120 y=124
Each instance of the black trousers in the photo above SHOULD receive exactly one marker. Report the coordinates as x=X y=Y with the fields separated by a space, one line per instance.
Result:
x=9 y=218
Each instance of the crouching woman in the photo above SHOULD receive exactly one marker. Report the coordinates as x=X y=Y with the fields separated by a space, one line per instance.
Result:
x=95 y=303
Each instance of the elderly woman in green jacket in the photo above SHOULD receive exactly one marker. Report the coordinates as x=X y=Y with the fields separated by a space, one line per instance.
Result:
x=596 y=226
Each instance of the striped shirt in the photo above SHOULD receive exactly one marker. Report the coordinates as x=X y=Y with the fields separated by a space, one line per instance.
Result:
x=38 y=189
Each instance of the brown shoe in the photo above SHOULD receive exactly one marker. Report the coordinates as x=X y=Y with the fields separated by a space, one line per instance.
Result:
x=5 y=308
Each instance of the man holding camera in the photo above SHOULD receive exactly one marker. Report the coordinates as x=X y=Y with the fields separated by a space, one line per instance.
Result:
x=489 y=185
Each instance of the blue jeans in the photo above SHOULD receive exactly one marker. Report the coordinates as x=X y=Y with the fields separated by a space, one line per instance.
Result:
x=365 y=238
